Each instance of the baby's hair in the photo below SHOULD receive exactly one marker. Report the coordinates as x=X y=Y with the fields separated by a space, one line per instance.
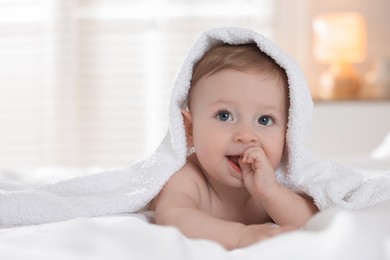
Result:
x=245 y=57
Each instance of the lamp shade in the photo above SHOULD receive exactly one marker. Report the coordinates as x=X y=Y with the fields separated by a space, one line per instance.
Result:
x=339 y=37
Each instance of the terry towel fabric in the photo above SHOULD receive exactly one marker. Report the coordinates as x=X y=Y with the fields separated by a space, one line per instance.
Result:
x=132 y=188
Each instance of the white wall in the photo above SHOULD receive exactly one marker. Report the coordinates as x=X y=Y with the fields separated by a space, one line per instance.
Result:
x=350 y=131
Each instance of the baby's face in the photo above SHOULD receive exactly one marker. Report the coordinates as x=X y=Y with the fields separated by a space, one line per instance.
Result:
x=233 y=110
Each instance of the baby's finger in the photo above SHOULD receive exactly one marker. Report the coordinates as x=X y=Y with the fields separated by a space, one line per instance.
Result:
x=245 y=166
x=247 y=153
x=251 y=154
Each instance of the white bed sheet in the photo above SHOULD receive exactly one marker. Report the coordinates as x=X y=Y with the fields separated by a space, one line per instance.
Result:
x=331 y=234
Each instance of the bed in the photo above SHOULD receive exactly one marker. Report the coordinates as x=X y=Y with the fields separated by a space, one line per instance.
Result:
x=331 y=234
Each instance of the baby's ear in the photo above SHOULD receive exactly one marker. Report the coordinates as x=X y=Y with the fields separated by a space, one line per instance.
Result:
x=188 y=126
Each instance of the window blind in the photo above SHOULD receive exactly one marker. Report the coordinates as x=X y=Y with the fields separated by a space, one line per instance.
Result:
x=87 y=82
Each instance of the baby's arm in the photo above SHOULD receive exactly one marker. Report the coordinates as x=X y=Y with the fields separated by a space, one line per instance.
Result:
x=179 y=205
x=283 y=206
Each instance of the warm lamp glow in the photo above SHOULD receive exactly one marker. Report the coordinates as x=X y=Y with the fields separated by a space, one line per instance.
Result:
x=339 y=39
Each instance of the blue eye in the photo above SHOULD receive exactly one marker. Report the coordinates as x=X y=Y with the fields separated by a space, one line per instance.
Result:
x=224 y=116
x=265 y=120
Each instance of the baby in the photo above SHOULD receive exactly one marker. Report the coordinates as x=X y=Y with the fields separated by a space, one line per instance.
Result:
x=236 y=122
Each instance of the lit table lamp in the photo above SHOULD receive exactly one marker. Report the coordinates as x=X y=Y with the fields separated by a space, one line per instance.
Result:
x=339 y=40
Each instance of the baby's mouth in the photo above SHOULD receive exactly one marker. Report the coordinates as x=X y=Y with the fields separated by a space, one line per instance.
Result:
x=234 y=160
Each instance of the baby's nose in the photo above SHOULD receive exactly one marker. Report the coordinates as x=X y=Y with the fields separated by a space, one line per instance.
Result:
x=246 y=135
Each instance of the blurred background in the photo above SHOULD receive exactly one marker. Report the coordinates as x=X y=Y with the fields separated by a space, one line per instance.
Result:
x=86 y=83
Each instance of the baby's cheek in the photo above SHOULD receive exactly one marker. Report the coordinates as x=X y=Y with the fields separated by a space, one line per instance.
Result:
x=275 y=161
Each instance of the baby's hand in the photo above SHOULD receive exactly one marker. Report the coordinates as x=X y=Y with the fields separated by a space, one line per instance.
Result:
x=258 y=173
x=251 y=234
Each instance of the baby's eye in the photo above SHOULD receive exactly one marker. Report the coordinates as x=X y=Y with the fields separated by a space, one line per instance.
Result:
x=224 y=116
x=266 y=120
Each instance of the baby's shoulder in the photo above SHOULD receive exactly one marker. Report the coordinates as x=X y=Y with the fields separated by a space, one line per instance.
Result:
x=189 y=179
x=185 y=186
x=191 y=170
